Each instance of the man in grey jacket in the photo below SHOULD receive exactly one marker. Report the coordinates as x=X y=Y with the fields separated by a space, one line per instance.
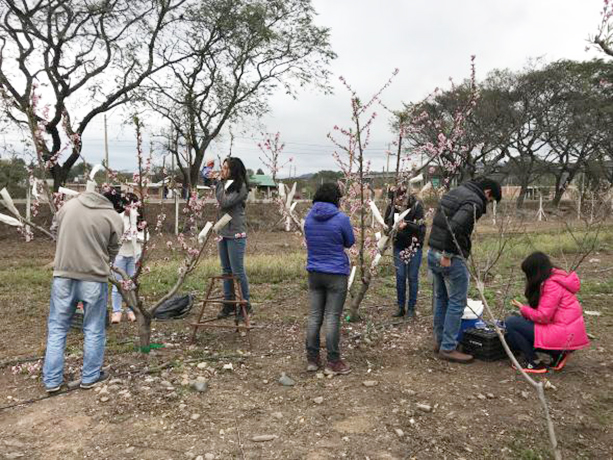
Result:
x=89 y=232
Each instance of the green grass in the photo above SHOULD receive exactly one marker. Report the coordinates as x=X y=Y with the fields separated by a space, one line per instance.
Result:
x=554 y=243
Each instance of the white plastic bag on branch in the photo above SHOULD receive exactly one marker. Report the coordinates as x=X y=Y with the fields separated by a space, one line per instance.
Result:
x=376 y=213
x=293 y=206
x=205 y=231
x=10 y=220
x=228 y=183
x=221 y=223
x=281 y=190
x=91 y=186
x=8 y=201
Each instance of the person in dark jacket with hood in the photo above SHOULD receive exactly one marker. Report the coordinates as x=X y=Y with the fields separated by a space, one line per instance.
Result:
x=408 y=244
x=328 y=232
x=450 y=246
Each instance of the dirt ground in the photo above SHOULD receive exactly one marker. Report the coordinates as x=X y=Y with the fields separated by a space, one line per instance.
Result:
x=150 y=410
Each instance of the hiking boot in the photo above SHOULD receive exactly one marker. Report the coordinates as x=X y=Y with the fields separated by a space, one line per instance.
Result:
x=533 y=368
x=337 y=368
x=455 y=356
x=239 y=316
x=102 y=378
x=131 y=316
x=399 y=313
x=313 y=364
x=226 y=310
x=560 y=362
x=52 y=390
x=410 y=313
x=116 y=317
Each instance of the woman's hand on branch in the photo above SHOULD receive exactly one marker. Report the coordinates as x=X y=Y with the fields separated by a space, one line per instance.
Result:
x=516 y=303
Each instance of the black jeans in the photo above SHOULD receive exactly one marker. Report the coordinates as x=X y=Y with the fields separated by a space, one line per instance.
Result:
x=327 y=295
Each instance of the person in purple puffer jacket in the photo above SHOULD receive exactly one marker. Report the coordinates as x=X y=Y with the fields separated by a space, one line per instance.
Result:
x=328 y=232
x=552 y=321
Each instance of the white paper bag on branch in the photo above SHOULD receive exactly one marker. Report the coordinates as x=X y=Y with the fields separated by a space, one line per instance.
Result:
x=205 y=231
x=376 y=213
x=376 y=260
x=95 y=171
x=290 y=196
x=221 y=223
x=228 y=183
x=67 y=191
x=381 y=243
x=8 y=201
x=351 y=277
x=10 y=221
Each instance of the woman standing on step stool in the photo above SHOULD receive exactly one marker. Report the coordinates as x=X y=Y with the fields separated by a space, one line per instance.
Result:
x=231 y=193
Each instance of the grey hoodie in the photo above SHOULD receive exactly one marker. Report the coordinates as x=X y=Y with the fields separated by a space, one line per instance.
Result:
x=89 y=232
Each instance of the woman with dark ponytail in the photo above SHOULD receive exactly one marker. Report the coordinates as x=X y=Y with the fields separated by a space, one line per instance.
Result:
x=553 y=319
x=231 y=193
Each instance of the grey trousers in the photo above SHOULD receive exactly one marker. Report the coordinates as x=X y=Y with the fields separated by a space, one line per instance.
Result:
x=327 y=295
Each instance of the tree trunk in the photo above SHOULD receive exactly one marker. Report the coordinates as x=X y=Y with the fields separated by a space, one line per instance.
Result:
x=522 y=195
x=144 y=331
x=354 y=309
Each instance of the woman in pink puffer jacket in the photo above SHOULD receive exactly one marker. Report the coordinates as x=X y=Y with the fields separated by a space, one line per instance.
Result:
x=553 y=319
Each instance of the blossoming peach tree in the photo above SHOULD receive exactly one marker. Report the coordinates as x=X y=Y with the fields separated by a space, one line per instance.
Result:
x=190 y=242
x=351 y=146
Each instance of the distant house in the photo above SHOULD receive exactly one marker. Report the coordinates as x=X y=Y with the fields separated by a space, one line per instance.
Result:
x=262 y=183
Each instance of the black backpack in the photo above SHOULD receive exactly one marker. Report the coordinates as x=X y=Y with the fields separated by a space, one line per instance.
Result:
x=176 y=307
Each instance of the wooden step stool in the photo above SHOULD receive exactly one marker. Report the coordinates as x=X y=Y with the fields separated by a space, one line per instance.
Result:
x=213 y=297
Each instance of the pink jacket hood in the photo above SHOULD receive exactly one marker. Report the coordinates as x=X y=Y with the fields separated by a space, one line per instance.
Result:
x=569 y=281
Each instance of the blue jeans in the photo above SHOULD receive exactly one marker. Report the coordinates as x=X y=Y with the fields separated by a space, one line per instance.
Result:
x=327 y=293
x=449 y=294
x=232 y=256
x=65 y=293
x=127 y=264
x=407 y=272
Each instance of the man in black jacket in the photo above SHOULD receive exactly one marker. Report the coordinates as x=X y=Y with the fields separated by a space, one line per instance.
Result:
x=408 y=244
x=450 y=245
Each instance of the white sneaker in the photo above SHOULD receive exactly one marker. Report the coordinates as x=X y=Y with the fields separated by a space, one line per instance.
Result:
x=116 y=317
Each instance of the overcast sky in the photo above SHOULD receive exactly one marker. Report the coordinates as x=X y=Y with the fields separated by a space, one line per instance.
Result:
x=429 y=41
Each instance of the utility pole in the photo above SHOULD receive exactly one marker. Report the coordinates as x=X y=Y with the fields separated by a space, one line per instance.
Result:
x=388 y=153
x=106 y=150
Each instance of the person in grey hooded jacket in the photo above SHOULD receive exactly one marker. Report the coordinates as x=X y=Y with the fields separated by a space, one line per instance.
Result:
x=89 y=232
x=231 y=193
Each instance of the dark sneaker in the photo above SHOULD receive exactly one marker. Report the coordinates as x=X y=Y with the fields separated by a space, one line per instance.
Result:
x=313 y=365
x=337 y=368
x=240 y=317
x=455 y=356
x=399 y=313
x=559 y=363
x=533 y=368
x=55 y=389
x=102 y=378
x=410 y=313
x=226 y=310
